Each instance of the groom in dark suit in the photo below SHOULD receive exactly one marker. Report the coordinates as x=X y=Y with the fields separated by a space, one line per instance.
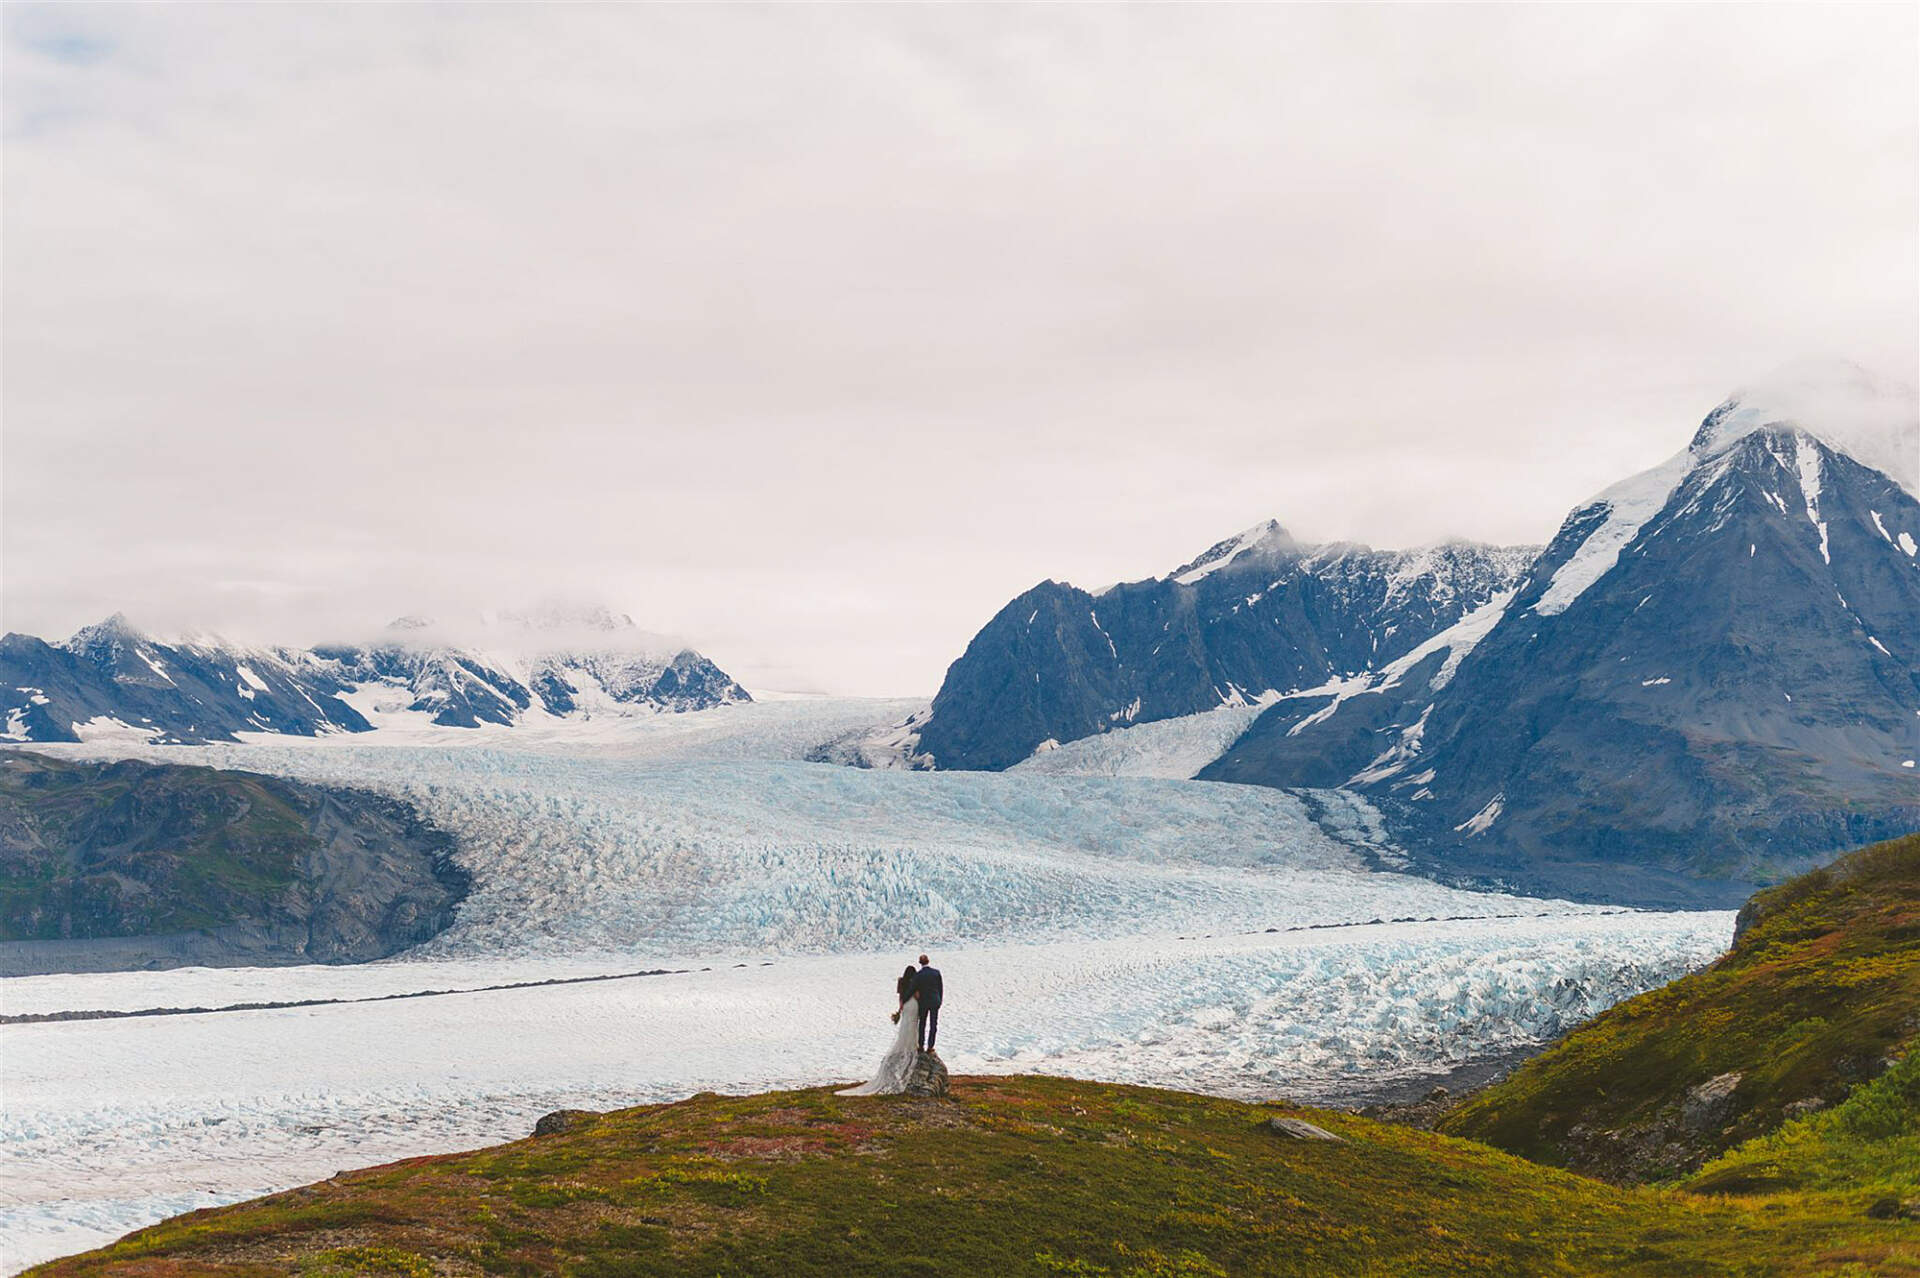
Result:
x=926 y=985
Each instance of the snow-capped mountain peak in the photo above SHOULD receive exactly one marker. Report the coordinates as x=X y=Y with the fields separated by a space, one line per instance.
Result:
x=1716 y=653
x=111 y=678
x=1266 y=537
x=1835 y=405
x=103 y=637
x=1256 y=615
x=1874 y=420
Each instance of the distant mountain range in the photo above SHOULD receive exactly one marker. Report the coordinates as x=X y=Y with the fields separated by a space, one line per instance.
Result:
x=1709 y=678
x=112 y=680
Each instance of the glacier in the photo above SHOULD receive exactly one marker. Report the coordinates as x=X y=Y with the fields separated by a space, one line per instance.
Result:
x=727 y=916
x=659 y=845
x=1170 y=749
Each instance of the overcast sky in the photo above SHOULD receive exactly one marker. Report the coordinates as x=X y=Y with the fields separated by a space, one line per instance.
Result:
x=815 y=334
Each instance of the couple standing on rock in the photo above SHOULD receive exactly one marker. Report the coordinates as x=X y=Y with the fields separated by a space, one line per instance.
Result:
x=921 y=992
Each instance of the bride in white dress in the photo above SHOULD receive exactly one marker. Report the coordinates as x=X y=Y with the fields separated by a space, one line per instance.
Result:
x=891 y=1078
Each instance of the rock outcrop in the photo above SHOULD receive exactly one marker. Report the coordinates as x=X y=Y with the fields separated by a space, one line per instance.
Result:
x=1300 y=1129
x=928 y=1077
x=561 y=1121
x=1710 y=1105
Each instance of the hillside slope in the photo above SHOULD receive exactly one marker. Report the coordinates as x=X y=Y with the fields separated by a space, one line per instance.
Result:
x=1820 y=992
x=107 y=866
x=1013 y=1176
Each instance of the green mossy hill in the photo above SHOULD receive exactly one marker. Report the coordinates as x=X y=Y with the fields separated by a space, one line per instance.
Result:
x=1819 y=994
x=1867 y=1150
x=1008 y=1177
x=92 y=850
x=133 y=864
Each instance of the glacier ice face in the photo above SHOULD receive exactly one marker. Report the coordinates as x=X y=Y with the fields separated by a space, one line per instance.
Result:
x=667 y=855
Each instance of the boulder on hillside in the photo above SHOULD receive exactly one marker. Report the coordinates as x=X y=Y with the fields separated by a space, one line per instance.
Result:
x=1300 y=1129
x=928 y=1077
x=1709 y=1106
x=561 y=1121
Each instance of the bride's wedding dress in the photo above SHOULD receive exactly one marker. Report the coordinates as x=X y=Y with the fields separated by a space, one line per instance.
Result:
x=891 y=1078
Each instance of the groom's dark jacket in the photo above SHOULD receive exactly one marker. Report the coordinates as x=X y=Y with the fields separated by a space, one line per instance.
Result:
x=926 y=983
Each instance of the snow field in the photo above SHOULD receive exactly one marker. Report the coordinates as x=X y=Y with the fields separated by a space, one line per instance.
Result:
x=774 y=729
x=1169 y=749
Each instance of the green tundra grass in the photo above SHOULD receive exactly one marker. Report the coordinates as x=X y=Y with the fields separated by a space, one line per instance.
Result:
x=1011 y=1176
x=1819 y=992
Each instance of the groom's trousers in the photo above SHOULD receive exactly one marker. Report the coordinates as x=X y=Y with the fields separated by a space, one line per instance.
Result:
x=929 y=1027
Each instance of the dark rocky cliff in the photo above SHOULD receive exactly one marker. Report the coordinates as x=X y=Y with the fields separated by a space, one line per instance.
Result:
x=110 y=866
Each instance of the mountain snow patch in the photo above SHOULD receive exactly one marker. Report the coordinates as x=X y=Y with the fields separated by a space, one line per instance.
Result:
x=1481 y=821
x=1629 y=505
x=1268 y=533
x=1172 y=749
x=1807 y=463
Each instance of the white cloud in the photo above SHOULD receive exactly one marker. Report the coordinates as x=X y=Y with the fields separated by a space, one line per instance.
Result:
x=816 y=333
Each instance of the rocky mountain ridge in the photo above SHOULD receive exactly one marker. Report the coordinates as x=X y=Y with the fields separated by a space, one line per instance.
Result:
x=1252 y=616
x=1721 y=653
x=111 y=679
x=1709 y=680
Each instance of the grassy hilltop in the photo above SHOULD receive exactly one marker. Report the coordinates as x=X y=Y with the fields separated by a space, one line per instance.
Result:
x=1041 y=1176
x=1012 y=1176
